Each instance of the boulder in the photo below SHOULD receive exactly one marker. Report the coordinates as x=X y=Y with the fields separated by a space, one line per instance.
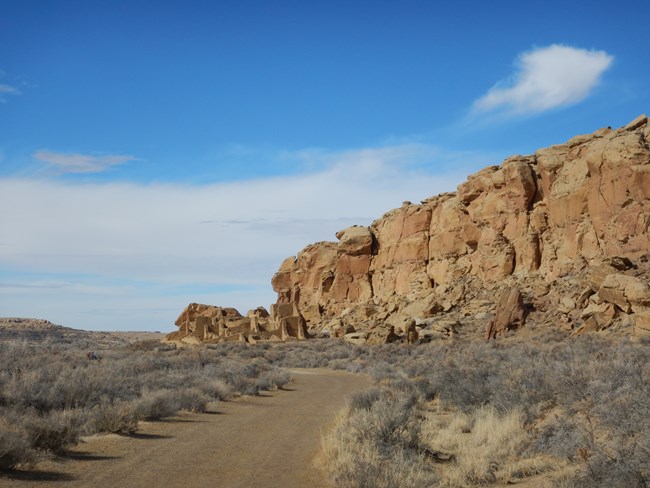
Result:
x=339 y=329
x=627 y=292
x=424 y=308
x=355 y=241
x=444 y=327
x=510 y=313
x=355 y=338
x=383 y=336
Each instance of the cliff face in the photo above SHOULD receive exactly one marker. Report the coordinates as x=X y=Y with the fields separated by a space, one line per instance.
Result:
x=543 y=223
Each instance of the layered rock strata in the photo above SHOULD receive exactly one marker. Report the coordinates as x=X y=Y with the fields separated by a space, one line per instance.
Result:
x=567 y=226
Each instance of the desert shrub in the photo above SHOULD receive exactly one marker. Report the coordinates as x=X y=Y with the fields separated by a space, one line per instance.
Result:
x=54 y=431
x=366 y=467
x=273 y=379
x=563 y=437
x=113 y=418
x=191 y=400
x=316 y=353
x=603 y=423
x=528 y=389
x=617 y=466
x=242 y=385
x=363 y=400
x=51 y=406
x=14 y=447
x=376 y=444
x=65 y=384
x=31 y=389
x=380 y=370
x=387 y=423
x=463 y=387
x=585 y=401
x=15 y=357
x=157 y=405
x=82 y=386
x=215 y=389
x=151 y=345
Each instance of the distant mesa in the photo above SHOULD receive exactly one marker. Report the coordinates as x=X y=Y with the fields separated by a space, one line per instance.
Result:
x=17 y=324
x=559 y=239
x=34 y=331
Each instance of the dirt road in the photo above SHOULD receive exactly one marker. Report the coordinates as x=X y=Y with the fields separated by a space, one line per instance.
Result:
x=254 y=442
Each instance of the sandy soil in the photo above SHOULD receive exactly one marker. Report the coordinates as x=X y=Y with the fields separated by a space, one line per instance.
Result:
x=263 y=442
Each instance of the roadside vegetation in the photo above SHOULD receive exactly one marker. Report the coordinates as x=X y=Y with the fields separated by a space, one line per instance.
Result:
x=51 y=394
x=570 y=413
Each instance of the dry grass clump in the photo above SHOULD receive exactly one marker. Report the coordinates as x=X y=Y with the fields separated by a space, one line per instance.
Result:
x=486 y=447
x=375 y=443
x=51 y=395
x=385 y=439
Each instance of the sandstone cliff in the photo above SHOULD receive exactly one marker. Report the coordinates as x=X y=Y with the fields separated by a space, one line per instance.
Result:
x=564 y=231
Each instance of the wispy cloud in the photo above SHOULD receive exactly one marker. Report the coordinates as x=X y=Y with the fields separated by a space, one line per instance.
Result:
x=7 y=90
x=81 y=163
x=233 y=234
x=546 y=78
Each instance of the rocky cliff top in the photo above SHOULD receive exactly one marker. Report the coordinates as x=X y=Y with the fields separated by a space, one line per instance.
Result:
x=559 y=238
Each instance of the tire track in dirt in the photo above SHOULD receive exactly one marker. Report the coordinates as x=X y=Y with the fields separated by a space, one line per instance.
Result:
x=263 y=442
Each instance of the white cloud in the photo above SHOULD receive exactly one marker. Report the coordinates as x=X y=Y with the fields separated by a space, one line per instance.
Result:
x=139 y=238
x=7 y=90
x=81 y=163
x=547 y=78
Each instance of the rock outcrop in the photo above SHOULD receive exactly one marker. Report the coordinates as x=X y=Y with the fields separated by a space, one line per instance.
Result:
x=510 y=314
x=568 y=226
x=200 y=323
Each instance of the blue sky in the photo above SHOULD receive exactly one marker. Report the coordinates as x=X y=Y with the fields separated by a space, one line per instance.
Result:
x=157 y=153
